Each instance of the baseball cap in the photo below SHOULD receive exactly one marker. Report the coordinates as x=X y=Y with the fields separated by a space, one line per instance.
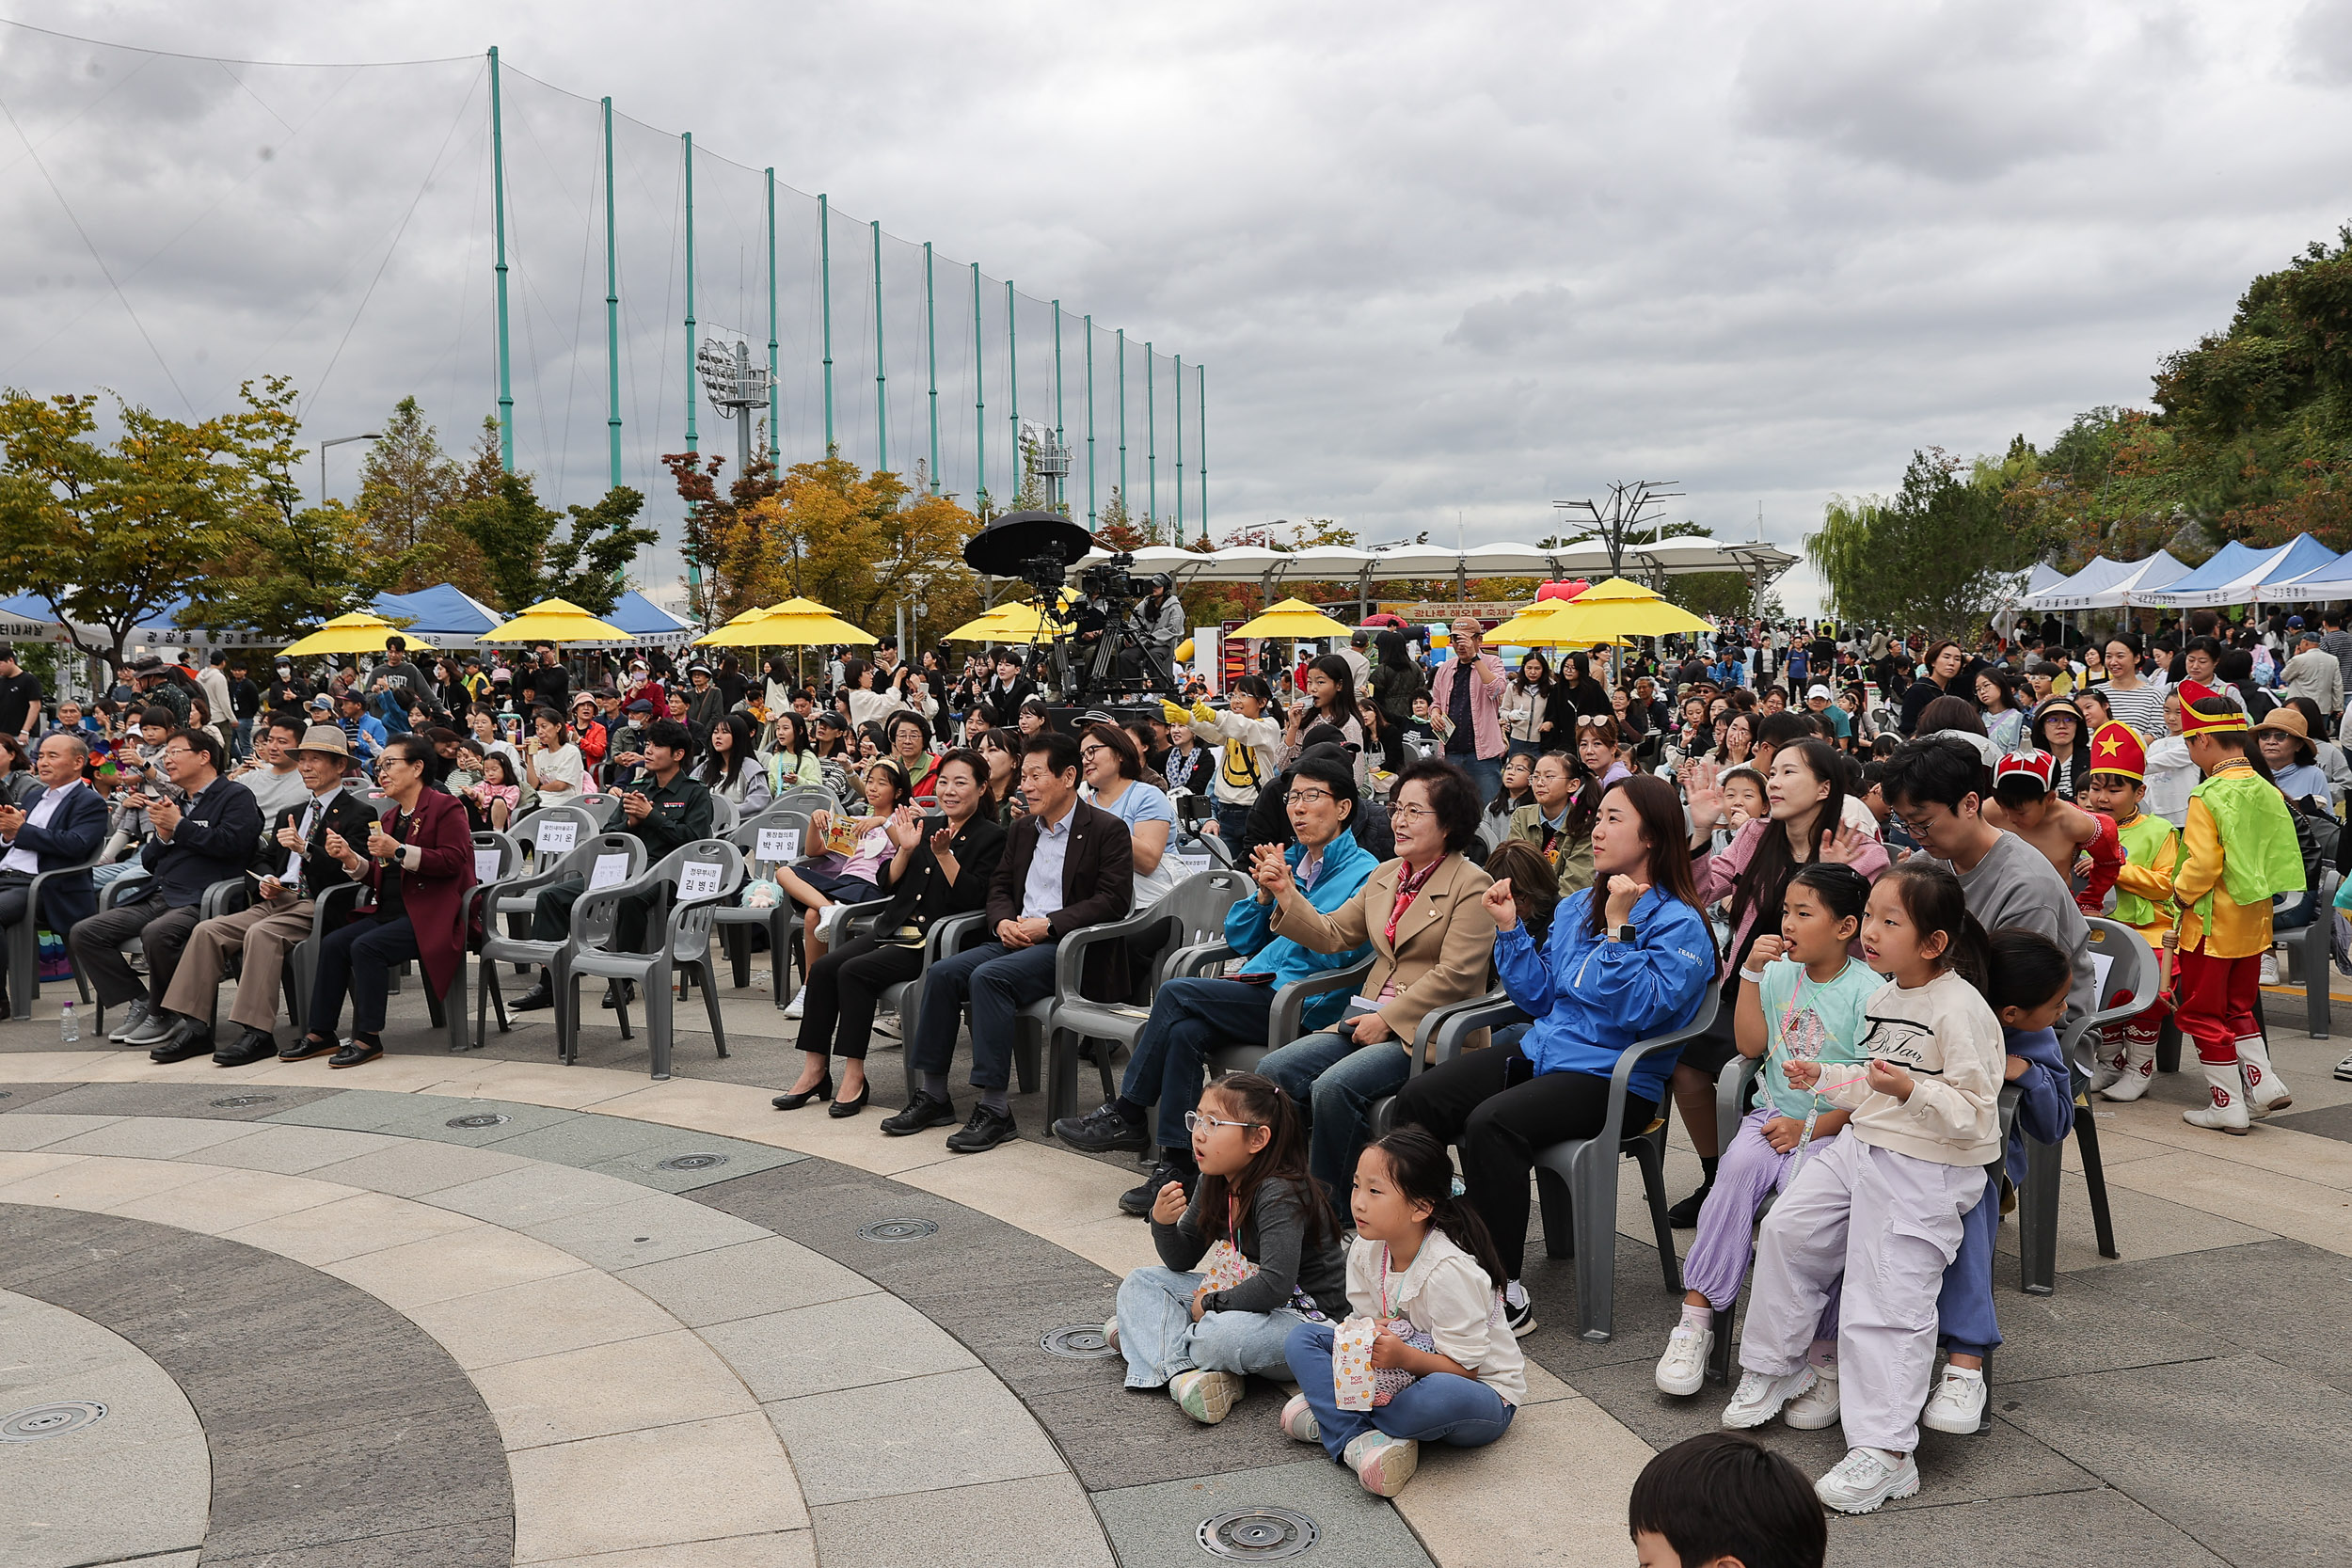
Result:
x=1820 y=691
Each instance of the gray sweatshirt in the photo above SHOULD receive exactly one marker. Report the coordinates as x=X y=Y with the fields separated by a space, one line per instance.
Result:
x=2016 y=885
x=1273 y=1235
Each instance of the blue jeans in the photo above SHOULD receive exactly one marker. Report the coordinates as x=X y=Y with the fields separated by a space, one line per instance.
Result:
x=1189 y=1018
x=1459 y=1412
x=1336 y=1081
x=1158 y=1338
x=2298 y=911
x=1523 y=749
x=1233 y=825
x=998 y=981
x=1485 y=772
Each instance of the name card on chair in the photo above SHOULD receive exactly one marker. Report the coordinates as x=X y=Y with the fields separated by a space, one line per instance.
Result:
x=698 y=880
x=557 y=834
x=1189 y=865
x=778 y=843
x=611 y=871
x=485 y=865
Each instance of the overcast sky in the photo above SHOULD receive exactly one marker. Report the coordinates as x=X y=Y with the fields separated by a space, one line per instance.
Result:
x=1444 y=264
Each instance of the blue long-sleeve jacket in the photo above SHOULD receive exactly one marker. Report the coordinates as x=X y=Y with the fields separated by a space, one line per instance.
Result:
x=1345 y=866
x=2046 y=1112
x=1591 y=997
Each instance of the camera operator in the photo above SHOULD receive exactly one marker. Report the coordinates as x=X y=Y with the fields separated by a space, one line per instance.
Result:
x=1161 y=619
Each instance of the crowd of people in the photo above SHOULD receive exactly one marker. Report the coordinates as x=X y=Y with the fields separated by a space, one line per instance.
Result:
x=1869 y=866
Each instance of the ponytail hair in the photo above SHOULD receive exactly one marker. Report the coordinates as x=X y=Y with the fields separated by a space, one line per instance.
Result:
x=1423 y=1173
x=1258 y=1099
x=1932 y=900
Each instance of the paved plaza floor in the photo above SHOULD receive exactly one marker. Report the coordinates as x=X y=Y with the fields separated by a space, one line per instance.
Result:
x=482 y=1308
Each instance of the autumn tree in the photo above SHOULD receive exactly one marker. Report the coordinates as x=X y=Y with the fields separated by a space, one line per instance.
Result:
x=527 y=562
x=408 y=488
x=856 y=542
x=713 y=518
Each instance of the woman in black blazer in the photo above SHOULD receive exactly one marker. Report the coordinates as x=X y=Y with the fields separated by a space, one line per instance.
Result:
x=939 y=870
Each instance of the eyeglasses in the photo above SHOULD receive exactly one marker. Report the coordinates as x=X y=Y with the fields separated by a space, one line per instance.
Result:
x=1594 y=720
x=1312 y=797
x=1194 y=1120
x=1409 y=814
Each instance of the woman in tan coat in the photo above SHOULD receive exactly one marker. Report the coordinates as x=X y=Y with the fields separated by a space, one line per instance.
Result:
x=1432 y=943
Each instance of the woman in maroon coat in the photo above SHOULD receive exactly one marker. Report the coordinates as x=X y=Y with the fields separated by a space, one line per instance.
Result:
x=420 y=863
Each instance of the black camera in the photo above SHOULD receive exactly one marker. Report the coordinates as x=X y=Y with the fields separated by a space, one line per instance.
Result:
x=1111 y=580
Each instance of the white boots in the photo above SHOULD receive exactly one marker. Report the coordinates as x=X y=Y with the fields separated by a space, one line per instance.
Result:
x=2265 y=1091
x=2226 y=1113
x=2127 y=1074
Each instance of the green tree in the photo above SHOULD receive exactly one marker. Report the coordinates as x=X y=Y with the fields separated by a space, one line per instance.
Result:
x=527 y=562
x=589 y=564
x=1938 y=555
x=408 y=486
x=511 y=529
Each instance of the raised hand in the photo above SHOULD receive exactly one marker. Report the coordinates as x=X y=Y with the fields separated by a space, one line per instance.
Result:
x=905 y=829
x=1270 y=870
x=1623 y=893
x=1705 y=793
x=1499 y=904
x=1767 y=948
x=1841 y=846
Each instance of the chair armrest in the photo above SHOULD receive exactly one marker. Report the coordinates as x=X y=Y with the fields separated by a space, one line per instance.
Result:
x=1070 y=955
x=845 y=916
x=1446 y=1027
x=112 y=894
x=323 y=906
x=225 y=897
x=1731 y=1097
x=1188 y=963
x=40 y=879
x=1290 y=1002
x=946 y=936
x=1612 y=1128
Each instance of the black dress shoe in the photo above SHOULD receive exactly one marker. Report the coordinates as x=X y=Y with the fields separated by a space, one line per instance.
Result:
x=305 y=1047
x=254 y=1045
x=921 y=1111
x=986 y=1130
x=622 y=994
x=1102 y=1130
x=794 y=1101
x=356 y=1052
x=851 y=1107
x=537 y=998
x=1139 y=1198
x=188 y=1037
x=1683 y=1215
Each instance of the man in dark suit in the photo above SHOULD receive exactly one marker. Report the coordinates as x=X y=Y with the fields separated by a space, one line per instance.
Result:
x=280 y=916
x=1066 y=865
x=62 y=823
x=210 y=839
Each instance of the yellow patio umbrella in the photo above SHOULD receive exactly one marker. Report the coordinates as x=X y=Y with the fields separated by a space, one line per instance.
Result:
x=794 y=631
x=1292 y=618
x=1008 y=623
x=1615 y=607
x=358 y=632
x=556 y=621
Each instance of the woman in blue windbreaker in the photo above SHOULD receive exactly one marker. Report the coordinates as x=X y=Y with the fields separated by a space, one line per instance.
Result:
x=1628 y=957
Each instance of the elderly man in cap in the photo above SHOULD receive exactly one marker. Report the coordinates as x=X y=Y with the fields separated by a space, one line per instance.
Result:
x=626 y=752
x=284 y=899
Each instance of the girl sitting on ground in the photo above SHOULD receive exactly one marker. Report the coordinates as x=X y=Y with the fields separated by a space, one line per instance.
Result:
x=1801 y=996
x=1885 y=1208
x=1251 y=1253
x=1423 y=1266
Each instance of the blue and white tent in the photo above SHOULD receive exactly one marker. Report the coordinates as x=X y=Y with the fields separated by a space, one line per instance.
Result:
x=2237 y=573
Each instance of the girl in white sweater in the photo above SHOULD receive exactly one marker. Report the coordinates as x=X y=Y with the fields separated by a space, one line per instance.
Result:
x=1884 y=1206
x=1422 y=1269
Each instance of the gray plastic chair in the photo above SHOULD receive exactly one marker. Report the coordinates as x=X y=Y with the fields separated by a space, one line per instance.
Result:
x=523 y=952
x=805 y=799
x=735 y=921
x=2130 y=983
x=685 y=946
x=25 y=943
x=1196 y=905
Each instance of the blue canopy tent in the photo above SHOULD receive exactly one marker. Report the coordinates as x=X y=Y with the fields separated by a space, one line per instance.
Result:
x=648 y=622
x=439 y=617
x=2237 y=572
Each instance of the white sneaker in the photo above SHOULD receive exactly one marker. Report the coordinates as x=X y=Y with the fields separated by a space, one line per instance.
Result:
x=1298 y=1421
x=792 y=1009
x=1816 y=1407
x=1759 y=1398
x=1958 y=1403
x=1866 y=1481
x=1206 y=1397
x=1382 y=1463
x=2344 y=1070
x=1110 y=1332
x=2270 y=968
x=1683 y=1369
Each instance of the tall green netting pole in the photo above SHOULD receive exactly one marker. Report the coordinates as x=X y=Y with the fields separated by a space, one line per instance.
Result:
x=693 y=382
x=1200 y=379
x=882 y=378
x=931 y=335
x=1057 y=408
x=775 y=398
x=1180 y=449
x=612 y=307
x=1012 y=383
x=1151 y=432
x=1090 y=506
x=980 y=396
x=824 y=295
x=498 y=185
x=1124 y=506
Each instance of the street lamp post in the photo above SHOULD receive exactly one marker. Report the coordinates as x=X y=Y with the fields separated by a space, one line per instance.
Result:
x=337 y=442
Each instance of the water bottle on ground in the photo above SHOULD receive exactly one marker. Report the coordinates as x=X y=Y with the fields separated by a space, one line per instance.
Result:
x=69 y=1027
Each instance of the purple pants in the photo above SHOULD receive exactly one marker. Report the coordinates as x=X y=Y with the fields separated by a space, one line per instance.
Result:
x=1750 y=1171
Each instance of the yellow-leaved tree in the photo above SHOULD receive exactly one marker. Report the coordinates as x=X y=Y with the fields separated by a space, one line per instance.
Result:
x=857 y=541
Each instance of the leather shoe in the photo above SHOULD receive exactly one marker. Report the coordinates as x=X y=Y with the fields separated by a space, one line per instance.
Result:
x=189 y=1037
x=540 y=996
x=356 y=1052
x=923 y=1111
x=1138 y=1199
x=794 y=1101
x=851 y=1107
x=254 y=1045
x=1102 y=1130
x=986 y=1130
x=621 y=994
x=134 y=1020
x=305 y=1047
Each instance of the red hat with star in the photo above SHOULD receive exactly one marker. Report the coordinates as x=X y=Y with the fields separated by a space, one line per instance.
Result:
x=2194 y=723
x=2117 y=749
x=2036 y=766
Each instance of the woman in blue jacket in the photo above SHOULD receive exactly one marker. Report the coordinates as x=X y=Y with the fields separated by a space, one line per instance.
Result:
x=1627 y=957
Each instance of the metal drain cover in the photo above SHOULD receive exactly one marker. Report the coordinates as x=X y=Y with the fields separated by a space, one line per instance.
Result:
x=1079 y=1342
x=481 y=1118
x=897 y=1231
x=1258 y=1535
x=238 y=1101
x=63 y=1419
x=692 y=1162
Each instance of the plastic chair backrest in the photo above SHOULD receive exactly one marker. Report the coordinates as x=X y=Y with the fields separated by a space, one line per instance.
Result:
x=771 y=821
x=2128 y=987
x=583 y=861
x=530 y=830
x=1198 y=904
x=725 y=815
x=807 y=798
x=703 y=875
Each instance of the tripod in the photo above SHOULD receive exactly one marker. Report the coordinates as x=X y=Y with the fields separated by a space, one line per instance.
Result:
x=1099 y=678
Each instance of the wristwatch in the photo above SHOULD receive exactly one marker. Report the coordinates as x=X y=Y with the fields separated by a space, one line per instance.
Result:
x=1625 y=932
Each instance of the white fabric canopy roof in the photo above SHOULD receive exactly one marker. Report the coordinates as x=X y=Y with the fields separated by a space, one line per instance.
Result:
x=1339 y=564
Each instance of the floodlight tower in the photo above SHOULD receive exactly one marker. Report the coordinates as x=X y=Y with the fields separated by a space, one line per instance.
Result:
x=1049 y=460
x=736 y=386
